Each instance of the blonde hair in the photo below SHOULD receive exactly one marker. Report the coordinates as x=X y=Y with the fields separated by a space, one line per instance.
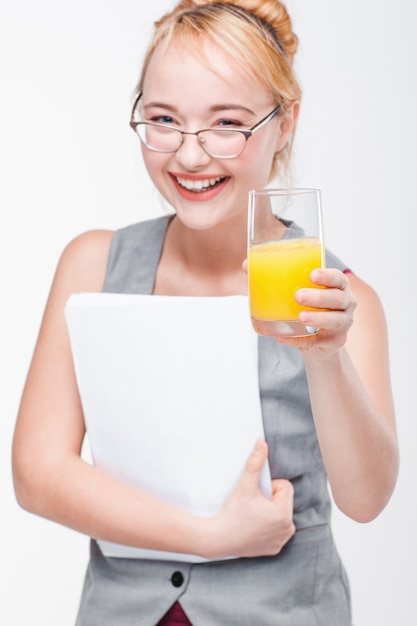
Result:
x=255 y=35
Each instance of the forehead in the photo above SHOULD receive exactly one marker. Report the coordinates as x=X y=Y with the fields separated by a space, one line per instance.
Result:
x=201 y=71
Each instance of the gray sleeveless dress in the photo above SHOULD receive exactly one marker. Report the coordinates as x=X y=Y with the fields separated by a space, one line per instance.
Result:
x=305 y=585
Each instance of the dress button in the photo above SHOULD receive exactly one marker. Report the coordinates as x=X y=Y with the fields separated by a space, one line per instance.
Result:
x=177 y=579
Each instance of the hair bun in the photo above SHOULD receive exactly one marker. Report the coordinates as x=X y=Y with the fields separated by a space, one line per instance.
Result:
x=273 y=12
x=276 y=15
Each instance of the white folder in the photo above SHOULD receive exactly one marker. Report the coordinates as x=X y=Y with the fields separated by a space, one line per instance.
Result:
x=169 y=388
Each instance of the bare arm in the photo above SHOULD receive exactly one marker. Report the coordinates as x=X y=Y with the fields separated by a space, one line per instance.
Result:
x=53 y=481
x=350 y=390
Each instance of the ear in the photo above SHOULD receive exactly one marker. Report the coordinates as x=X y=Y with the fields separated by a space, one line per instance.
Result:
x=287 y=125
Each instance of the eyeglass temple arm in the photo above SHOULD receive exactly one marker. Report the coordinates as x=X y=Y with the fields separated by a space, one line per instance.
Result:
x=135 y=104
x=266 y=119
x=259 y=125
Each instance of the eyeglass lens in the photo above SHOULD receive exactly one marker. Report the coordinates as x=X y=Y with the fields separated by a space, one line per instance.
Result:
x=221 y=143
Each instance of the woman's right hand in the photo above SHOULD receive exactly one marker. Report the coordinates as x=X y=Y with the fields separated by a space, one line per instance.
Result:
x=249 y=524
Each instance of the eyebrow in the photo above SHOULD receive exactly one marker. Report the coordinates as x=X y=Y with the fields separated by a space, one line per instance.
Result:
x=215 y=108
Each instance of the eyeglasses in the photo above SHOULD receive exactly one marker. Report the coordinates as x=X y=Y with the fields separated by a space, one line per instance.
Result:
x=219 y=143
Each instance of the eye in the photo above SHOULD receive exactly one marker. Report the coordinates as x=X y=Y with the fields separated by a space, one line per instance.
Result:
x=162 y=119
x=229 y=123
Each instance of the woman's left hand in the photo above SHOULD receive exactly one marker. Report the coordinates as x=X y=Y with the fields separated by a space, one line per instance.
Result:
x=336 y=304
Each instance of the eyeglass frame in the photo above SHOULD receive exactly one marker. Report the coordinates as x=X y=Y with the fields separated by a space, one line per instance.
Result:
x=247 y=133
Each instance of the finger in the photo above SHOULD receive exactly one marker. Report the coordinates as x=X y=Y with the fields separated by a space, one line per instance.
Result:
x=245 y=266
x=257 y=458
x=330 y=299
x=328 y=320
x=283 y=499
x=255 y=463
x=329 y=277
x=282 y=489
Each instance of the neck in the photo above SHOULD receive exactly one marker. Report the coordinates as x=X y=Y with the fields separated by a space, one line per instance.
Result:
x=214 y=250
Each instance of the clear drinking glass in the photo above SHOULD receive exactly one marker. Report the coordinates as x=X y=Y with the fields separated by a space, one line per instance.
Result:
x=285 y=243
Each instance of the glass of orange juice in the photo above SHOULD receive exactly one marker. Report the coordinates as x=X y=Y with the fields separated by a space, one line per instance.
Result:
x=285 y=243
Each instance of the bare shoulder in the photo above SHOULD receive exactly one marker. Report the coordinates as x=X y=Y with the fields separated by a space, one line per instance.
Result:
x=82 y=266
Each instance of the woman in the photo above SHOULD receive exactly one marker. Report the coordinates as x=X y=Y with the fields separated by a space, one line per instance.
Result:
x=326 y=400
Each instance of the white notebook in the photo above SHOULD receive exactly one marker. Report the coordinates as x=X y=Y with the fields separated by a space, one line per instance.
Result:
x=169 y=387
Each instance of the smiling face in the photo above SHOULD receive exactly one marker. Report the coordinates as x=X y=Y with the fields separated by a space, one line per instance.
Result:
x=181 y=91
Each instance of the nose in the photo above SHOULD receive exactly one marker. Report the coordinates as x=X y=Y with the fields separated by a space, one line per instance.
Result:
x=190 y=153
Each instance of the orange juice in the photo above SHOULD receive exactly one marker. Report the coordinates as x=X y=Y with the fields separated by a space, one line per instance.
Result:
x=276 y=270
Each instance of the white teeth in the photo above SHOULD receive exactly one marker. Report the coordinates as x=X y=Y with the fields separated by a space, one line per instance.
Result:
x=198 y=185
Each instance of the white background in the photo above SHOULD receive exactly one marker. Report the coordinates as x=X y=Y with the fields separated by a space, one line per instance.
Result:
x=69 y=162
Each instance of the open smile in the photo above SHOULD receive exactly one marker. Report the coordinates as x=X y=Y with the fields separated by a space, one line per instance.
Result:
x=199 y=185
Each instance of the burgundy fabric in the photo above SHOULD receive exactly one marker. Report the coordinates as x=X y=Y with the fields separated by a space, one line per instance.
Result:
x=175 y=617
